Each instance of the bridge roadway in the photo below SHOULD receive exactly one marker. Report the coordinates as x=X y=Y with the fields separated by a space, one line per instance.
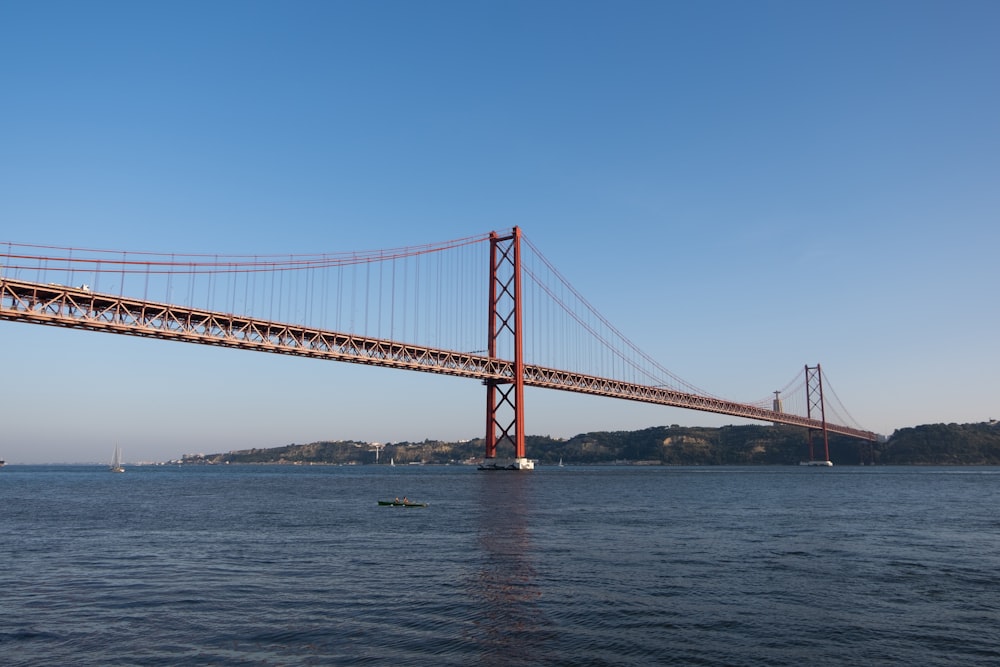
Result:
x=76 y=308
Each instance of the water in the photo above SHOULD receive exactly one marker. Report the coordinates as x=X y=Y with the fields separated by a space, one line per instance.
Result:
x=563 y=566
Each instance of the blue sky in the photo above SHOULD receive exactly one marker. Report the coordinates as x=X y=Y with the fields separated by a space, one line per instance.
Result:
x=742 y=188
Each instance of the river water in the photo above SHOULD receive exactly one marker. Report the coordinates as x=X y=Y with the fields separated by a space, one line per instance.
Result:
x=282 y=565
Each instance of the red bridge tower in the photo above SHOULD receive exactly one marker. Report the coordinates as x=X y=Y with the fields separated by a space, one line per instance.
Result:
x=505 y=397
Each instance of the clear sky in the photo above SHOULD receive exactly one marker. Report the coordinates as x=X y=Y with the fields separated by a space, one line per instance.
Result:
x=741 y=187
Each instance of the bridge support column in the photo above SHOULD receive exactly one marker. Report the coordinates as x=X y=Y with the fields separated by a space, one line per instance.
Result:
x=505 y=397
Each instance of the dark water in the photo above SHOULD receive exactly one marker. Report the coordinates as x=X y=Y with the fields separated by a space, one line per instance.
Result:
x=572 y=566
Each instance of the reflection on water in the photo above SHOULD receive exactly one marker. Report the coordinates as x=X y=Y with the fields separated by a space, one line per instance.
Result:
x=504 y=586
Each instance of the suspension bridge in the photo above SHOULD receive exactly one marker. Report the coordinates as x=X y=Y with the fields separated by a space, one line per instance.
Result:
x=489 y=308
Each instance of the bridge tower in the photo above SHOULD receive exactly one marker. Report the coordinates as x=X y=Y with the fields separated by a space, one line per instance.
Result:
x=814 y=402
x=505 y=397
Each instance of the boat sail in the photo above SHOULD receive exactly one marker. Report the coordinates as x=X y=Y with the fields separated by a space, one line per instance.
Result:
x=116 y=461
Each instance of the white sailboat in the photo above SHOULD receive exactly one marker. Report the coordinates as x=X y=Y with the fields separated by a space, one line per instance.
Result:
x=560 y=462
x=116 y=461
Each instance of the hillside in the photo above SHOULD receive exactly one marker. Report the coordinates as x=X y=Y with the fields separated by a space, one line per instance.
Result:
x=944 y=444
x=933 y=444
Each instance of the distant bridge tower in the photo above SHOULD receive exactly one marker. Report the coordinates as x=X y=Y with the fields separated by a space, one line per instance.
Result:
x=814 y=403
x=505 y=397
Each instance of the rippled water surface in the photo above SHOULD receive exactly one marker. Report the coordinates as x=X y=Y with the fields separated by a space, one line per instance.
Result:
x=563 y=566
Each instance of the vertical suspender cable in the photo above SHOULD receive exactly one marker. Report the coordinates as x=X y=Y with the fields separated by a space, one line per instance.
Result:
x=406 y=294
x=392 y=304
x=354 y=290
x=381 y=267
x=368 y=276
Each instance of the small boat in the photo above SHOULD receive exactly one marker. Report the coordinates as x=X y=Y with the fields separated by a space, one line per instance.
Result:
x=560 y=462
x=116 y=461
x=401 y=503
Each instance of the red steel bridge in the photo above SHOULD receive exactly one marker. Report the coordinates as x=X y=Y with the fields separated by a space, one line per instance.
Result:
x=489 y=308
